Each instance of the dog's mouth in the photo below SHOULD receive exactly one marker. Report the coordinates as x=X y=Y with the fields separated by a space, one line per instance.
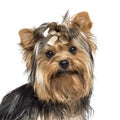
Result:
x=64 y=72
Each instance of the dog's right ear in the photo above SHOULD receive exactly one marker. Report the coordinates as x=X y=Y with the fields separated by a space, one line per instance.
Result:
x=27 y=42
x=27 y=38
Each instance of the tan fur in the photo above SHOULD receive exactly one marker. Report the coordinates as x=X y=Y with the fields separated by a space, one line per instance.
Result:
x=49 y=83
x=83 y=20
x=27 y=42
x=71 y=86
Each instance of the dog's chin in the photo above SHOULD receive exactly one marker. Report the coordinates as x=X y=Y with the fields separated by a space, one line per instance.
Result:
x=67 y=75
x=67 y=85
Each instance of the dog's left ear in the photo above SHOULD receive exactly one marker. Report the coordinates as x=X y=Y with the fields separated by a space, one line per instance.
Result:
x=82 y=23
x=27 y=42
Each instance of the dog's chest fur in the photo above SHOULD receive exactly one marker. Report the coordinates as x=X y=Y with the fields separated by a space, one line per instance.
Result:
x=52 y=117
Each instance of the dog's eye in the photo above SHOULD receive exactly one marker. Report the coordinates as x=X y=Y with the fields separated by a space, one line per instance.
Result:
x=73 y=50
x=49 y=54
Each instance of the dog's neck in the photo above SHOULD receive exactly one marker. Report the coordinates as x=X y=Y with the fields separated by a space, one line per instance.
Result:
x=61 y=111
x=52 y=117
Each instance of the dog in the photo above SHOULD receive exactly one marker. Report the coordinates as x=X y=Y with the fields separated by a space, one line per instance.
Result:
x=59 y=60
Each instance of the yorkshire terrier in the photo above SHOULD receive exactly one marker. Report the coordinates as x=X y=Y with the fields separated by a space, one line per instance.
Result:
x=59 y=60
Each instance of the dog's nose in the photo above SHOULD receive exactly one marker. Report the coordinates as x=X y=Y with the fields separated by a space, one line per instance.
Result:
x=64 y=64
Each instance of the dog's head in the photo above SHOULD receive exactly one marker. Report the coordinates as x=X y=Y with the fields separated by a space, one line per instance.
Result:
x=59 y=58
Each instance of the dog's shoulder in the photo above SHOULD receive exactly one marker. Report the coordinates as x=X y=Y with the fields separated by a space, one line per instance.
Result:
x=19 y=104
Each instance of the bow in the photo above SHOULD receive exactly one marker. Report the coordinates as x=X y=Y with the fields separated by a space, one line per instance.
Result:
x=56 y=36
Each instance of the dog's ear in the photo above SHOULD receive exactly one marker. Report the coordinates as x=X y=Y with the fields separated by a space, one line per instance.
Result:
x=82 y=21
x=27 y=43
x=27 y=38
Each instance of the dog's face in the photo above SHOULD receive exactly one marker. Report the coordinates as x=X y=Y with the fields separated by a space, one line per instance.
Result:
x=61 y=63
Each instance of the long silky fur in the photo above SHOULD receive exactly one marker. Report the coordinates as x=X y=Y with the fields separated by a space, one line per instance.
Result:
x=23 y=103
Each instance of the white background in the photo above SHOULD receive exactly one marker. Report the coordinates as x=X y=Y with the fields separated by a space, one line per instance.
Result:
x=105 y=15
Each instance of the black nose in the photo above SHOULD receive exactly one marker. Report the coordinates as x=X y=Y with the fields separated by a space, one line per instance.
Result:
x=64 y=64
